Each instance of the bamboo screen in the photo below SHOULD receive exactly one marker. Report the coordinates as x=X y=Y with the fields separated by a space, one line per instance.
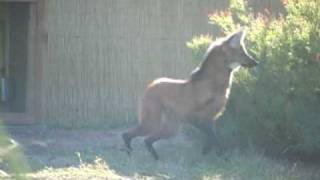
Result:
x=102 y=53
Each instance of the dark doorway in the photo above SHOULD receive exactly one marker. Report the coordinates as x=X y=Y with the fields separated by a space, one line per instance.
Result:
x=14 y=34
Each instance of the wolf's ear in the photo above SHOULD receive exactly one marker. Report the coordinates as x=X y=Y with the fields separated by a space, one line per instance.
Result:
x=235 y=40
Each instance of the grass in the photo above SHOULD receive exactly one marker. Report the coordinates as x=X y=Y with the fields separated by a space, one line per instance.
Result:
x=99 y=169
x=232 y=165
x=179 y=160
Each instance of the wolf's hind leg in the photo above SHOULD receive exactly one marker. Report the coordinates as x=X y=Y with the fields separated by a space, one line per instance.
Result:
x=135 y=132
x=167 y=130
x=149 y=116
x=152 y=139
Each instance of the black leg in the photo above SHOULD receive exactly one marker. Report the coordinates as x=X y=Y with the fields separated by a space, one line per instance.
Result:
x=128 y=136
x=207 y=128
x=166 y=131
x=127 y=141
x=149 y=144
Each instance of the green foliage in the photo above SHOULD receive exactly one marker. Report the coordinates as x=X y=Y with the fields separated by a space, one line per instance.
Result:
x=275 y=105
x=199 y=45
x=11 y=157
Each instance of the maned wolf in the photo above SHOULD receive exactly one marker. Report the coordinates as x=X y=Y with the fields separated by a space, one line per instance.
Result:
x=198 y=100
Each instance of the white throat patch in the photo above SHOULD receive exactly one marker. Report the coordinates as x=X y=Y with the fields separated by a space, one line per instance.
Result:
x=234 y=65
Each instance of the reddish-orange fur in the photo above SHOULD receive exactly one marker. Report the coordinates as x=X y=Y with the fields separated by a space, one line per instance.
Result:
x=198 y=100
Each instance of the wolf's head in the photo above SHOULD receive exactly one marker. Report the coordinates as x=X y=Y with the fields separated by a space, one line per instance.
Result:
x=235 y=51
x=228 y=53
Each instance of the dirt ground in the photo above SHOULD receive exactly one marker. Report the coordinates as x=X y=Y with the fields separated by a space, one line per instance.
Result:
x=45 y=147
x=54 y=151
x=54 y=148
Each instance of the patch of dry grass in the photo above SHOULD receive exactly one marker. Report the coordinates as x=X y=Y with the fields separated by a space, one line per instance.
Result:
x=102 y=157
x=97 y=170
x=182 y=165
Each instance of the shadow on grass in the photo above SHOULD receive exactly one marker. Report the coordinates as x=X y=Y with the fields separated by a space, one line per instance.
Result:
x=92 y=154
x=182 y=162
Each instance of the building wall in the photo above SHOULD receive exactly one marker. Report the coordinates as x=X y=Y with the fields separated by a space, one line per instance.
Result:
x=18 y=56
x=102 y=53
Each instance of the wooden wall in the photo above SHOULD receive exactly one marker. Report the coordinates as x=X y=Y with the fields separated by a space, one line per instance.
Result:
x=102 y=53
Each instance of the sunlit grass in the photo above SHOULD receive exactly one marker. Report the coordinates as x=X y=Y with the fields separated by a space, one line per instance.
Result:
x=95 y=170
x=179 y=159
x=12 y=159
x=179 y=162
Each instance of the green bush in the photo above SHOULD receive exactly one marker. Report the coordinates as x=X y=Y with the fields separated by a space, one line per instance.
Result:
x=276 y=105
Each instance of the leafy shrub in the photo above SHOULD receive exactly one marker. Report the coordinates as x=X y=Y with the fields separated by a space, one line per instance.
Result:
x=276 y=105
x=199 y=45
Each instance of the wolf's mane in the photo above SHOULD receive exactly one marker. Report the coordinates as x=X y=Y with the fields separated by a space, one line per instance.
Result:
x=196 y=74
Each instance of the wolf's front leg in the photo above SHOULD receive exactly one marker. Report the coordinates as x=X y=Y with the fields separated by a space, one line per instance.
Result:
x=207 y=128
